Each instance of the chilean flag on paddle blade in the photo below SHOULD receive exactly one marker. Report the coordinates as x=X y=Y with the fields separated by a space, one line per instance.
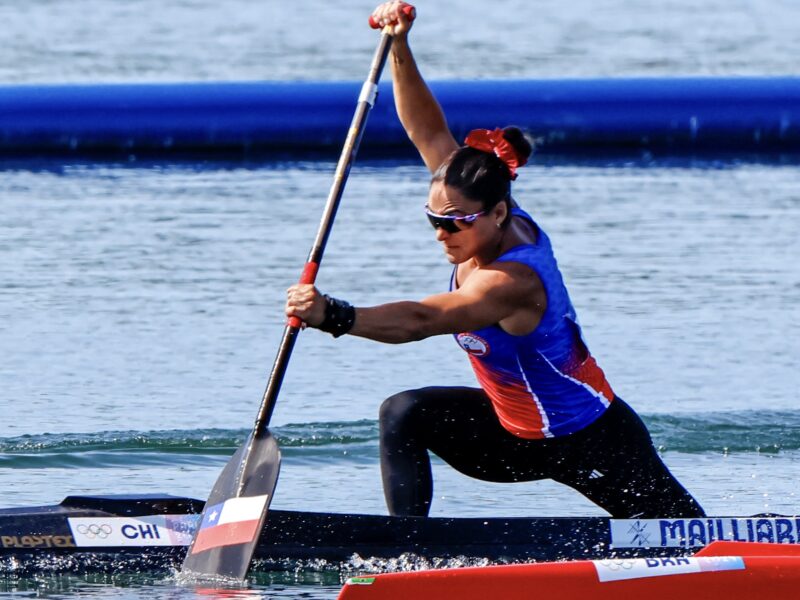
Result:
x=234 y=521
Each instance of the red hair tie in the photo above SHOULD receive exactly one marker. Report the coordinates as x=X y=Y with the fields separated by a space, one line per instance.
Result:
x=486 y=140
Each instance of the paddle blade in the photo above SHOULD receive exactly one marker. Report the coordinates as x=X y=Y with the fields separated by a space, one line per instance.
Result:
x=235 y=513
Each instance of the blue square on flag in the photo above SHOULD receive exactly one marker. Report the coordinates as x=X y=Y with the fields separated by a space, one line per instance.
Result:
x=212 y=516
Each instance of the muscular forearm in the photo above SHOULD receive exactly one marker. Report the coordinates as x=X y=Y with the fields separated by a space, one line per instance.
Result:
x=393 y=323
x=418 y=109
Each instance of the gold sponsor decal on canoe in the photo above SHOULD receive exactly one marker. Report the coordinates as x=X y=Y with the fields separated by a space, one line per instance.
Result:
x=37 y=541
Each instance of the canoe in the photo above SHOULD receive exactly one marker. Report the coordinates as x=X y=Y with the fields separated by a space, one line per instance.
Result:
x=138 y=532
x=730 y=570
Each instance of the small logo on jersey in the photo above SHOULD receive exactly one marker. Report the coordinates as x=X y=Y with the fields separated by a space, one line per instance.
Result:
x=473 y=344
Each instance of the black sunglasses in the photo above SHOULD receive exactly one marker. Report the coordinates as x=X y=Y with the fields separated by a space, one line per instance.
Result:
x=450 y=223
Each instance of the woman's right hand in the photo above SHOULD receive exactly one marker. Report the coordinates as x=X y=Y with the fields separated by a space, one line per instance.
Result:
x=393 y=14
x=305 y=302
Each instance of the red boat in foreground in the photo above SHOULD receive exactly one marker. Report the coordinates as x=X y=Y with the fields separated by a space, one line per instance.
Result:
x=730 y=570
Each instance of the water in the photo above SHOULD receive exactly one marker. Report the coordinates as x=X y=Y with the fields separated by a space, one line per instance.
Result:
x=138 y=40
x=140 y=305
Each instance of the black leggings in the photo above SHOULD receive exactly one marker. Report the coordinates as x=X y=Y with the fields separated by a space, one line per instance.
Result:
x=612 y=461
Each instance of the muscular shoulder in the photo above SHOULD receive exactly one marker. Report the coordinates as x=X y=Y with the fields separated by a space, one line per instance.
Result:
x=512 y=280
x=518 y=289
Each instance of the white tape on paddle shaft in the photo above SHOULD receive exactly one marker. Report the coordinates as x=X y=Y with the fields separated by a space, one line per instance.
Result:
x=369 y=91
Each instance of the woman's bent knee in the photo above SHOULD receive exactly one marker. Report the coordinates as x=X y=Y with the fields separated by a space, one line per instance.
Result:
x=400 y=408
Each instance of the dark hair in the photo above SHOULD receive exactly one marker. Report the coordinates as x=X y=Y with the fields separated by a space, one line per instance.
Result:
x=482 y=176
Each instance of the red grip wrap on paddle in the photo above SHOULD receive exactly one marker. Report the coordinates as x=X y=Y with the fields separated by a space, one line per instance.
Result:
x=309 y=275
x=409 y=11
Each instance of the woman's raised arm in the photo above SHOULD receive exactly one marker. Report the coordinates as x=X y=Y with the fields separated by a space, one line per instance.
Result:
x=418 y=109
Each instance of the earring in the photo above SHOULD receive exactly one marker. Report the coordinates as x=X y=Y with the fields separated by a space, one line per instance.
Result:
x=498 y=225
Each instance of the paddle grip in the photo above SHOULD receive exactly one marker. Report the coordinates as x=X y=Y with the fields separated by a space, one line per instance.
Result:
x=409 y=11
x=309 y=275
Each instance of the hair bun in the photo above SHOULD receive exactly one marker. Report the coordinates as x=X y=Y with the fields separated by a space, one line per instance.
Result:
x=521 y=142
x=495 y=142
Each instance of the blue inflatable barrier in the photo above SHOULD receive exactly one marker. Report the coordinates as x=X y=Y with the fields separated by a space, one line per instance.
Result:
x=679 y=115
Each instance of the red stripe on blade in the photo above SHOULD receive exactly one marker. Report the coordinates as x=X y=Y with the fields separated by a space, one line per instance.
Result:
x=227 y=534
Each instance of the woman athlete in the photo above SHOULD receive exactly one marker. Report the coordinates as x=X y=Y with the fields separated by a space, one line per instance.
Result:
x=544 y=408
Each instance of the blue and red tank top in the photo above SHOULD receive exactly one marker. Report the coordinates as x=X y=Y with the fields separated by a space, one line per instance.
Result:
x=546 y=383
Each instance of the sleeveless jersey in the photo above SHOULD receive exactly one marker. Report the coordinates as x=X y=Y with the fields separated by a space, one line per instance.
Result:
x=543 y=384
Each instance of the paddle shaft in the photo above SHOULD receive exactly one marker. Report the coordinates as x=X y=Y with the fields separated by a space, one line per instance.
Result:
x=224 y=543
x=366 y=100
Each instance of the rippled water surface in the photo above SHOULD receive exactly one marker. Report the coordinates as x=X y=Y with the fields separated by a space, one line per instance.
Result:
x=141 y=304
x=101 y=40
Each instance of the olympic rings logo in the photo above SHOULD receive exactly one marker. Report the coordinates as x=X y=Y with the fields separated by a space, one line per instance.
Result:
x=95 y=531
x=617 y=565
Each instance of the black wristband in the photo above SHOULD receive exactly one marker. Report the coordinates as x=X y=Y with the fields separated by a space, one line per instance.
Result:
x=339 y=317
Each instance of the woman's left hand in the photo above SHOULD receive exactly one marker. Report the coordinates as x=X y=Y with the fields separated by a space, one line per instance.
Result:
x=305 y=302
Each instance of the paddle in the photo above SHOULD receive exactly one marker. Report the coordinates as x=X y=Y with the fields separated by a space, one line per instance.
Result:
x=236 y=510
